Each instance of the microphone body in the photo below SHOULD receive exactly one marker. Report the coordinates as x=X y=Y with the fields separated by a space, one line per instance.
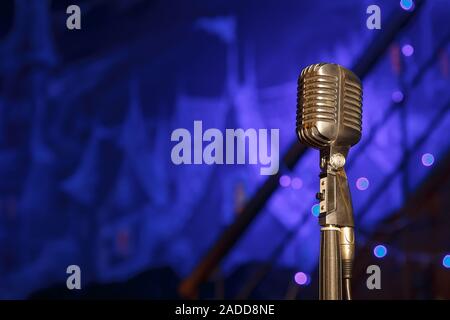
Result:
x=329 y=118
x=329 y=106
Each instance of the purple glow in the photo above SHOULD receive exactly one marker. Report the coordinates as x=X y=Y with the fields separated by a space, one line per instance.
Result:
x=407 y=5
x=407 y=50
x=301 y=278
x=397 y=96
x=296 y=183
x=427 y=159
x=362 y=183
x=285 y=181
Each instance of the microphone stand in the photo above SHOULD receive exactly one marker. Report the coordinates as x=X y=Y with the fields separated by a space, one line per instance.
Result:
x=337 y=243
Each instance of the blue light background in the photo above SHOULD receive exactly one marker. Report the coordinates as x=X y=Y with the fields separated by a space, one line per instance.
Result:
x=86 y=117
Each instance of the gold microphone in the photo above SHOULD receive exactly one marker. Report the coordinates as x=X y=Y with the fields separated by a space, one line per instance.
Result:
x=329 y=118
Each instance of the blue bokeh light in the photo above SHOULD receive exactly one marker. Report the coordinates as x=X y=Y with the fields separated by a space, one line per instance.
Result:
x=362 y=183
x=408 y=50
x=315 y=209
x=427 y=159
x=446 y=261
x=407 y=5
x=397 y=96
x=380 y=251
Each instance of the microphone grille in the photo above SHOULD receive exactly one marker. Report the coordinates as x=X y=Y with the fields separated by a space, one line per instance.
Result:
x=329 y=106
x=352 y=117
x=317 y=98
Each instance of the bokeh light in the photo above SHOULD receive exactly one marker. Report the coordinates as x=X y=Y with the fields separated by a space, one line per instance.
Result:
x=380 y=251
x=427 y=159
x=397 y=96
x=446 y=261
x=301 y=278
x=296 y=183
x=362 y=183
x=408 y=50
x=407 y=5
x=285 y=181
x=315 y=210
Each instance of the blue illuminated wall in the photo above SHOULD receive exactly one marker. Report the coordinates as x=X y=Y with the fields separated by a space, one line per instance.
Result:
x=86 y=117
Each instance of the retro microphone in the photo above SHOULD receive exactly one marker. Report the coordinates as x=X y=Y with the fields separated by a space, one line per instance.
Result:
x=329 y=118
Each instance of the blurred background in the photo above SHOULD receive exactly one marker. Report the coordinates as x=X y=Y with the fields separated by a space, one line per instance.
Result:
x=86 y=176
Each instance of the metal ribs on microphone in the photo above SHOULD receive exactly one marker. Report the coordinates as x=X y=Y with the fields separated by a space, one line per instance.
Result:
x=329 y=106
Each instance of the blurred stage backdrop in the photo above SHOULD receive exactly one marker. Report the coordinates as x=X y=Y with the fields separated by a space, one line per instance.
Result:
x=86 y=117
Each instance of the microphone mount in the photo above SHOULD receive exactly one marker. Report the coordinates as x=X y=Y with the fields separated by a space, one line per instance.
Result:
x=334 y=195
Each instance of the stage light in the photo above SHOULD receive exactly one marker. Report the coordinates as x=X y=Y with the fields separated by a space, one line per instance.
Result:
x=407 y=50
x=296 y=183
x=397 y=96
x=380 y=251
x=362 y=183
x=427 y=159
x=407 y=5
x=301 y=278
x=285 y=181
x=315 y=210
x=446 y=261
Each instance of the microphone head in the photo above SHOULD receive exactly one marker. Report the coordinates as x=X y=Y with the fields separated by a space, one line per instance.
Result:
x=329 y=106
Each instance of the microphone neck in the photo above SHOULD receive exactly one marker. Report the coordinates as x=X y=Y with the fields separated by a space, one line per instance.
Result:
x=335 y=199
